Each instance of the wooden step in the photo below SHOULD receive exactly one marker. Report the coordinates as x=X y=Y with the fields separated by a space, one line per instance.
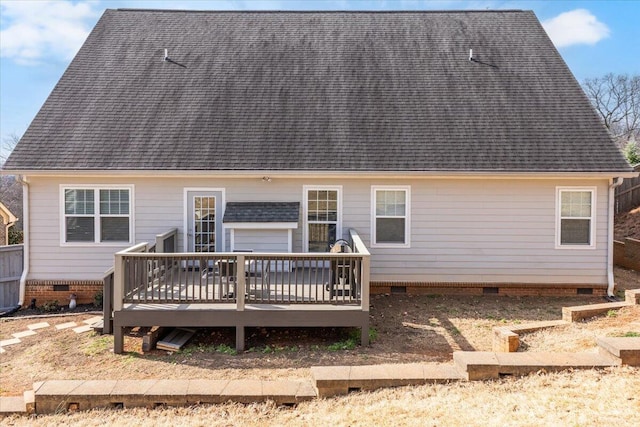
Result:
x=176 y=339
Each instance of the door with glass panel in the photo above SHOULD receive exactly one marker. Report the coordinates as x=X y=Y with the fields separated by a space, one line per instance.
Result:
x=204 y=227
x=323 y=218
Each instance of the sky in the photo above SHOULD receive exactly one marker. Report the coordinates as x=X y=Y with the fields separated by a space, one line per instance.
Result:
x=39 y=38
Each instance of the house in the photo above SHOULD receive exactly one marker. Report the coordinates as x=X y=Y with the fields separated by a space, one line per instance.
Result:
x=7 y=220
x=453 y=150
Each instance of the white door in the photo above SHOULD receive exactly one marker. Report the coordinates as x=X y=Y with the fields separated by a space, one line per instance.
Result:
x=204 y=221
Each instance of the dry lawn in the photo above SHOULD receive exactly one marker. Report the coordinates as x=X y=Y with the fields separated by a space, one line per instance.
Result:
x=408 y=329
x=580 y=398
x=627 y=224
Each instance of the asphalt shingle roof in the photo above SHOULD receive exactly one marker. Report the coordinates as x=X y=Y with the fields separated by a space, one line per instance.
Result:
x=323 y=91
x=262 y=212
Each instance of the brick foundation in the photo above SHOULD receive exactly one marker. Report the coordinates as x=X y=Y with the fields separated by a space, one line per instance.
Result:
x=59 y=290
x=491 y=289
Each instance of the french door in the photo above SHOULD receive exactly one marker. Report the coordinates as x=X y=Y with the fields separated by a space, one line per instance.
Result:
x=204 y=221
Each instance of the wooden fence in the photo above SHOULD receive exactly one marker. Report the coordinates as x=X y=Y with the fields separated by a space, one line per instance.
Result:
x=11 y=264
x=628 y=194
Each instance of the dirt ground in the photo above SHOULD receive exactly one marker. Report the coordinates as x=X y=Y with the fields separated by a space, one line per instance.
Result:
x=628 y=225
x=404 y=329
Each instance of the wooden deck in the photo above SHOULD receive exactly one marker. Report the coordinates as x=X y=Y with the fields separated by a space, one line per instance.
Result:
x=240 y=290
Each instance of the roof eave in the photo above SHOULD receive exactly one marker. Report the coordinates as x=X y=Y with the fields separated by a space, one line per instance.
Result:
x=321 y=174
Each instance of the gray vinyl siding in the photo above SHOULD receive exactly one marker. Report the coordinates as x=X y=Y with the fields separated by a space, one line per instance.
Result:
x=262 y=240
x=462 y=230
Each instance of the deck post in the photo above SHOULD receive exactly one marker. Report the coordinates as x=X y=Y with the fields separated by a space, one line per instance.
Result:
x=118 y=340
x=364 y=301
x=241 y=283
x=364 y=334
x=107 y=302
x=118 y=282
x=239 y=338
x=364 y=291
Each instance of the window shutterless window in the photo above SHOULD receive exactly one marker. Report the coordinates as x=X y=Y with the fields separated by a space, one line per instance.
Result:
x=390 y=225
x=575 y=211
x=96 y=215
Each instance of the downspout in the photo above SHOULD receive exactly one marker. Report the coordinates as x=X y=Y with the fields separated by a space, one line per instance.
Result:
x=612 y=192
x=25 y=239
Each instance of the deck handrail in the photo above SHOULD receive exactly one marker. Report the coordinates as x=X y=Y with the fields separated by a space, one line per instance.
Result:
x=357 y=243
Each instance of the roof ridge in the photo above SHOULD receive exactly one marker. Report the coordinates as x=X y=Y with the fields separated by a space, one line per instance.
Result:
x=320 y=11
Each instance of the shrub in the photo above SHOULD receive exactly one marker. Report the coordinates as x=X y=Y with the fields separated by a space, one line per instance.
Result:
x=98 y=298
x=16 y=237
x=632 y=152
x=50 y=306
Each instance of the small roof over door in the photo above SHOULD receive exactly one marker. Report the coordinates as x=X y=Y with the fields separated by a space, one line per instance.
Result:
x=261 y=215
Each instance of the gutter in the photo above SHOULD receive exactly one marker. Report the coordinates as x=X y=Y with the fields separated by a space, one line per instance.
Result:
x=610 y=280
x=25 y=242
x=276 y=174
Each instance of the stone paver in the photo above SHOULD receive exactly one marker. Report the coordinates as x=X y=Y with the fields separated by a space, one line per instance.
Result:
x=92 y=320
x=12 y=405
x=2 y=350
x=281 y=391
x=56 y=387
x=131 y=393
x=243 y=391
x=82 y=329
x=336 y=380
x=40 y=325
x=10 y=341
x=23 y=334
x=306 y=392
x=168 y=392
x=92 y=394
x=205 y=391
x=442 y=373
x=66 y=325
x=478 y=365
x=52 y=396
x=124 y=387
x=627 y=349
x=573 y=314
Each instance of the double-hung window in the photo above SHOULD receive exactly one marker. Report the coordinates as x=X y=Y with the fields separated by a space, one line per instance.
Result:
x=390 y=224
x=575 y=219
x=96 y=215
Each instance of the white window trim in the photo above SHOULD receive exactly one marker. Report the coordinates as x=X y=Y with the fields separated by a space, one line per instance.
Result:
x=305 y=208
x=592 y=225
x=97 y=215
x=407 y=229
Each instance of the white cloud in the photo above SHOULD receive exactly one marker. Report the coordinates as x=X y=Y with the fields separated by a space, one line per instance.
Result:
x=575 y=27
x=35 y=30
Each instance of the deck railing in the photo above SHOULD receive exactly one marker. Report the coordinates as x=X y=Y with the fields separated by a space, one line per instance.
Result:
x=145 y=277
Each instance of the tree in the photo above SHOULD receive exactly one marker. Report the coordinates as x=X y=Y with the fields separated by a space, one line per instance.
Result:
x=7 y=146
x=616 y=98
x=10 y=187
x=632 y=152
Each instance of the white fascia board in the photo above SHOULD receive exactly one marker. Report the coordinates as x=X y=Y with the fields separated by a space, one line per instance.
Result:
x=274 y=175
